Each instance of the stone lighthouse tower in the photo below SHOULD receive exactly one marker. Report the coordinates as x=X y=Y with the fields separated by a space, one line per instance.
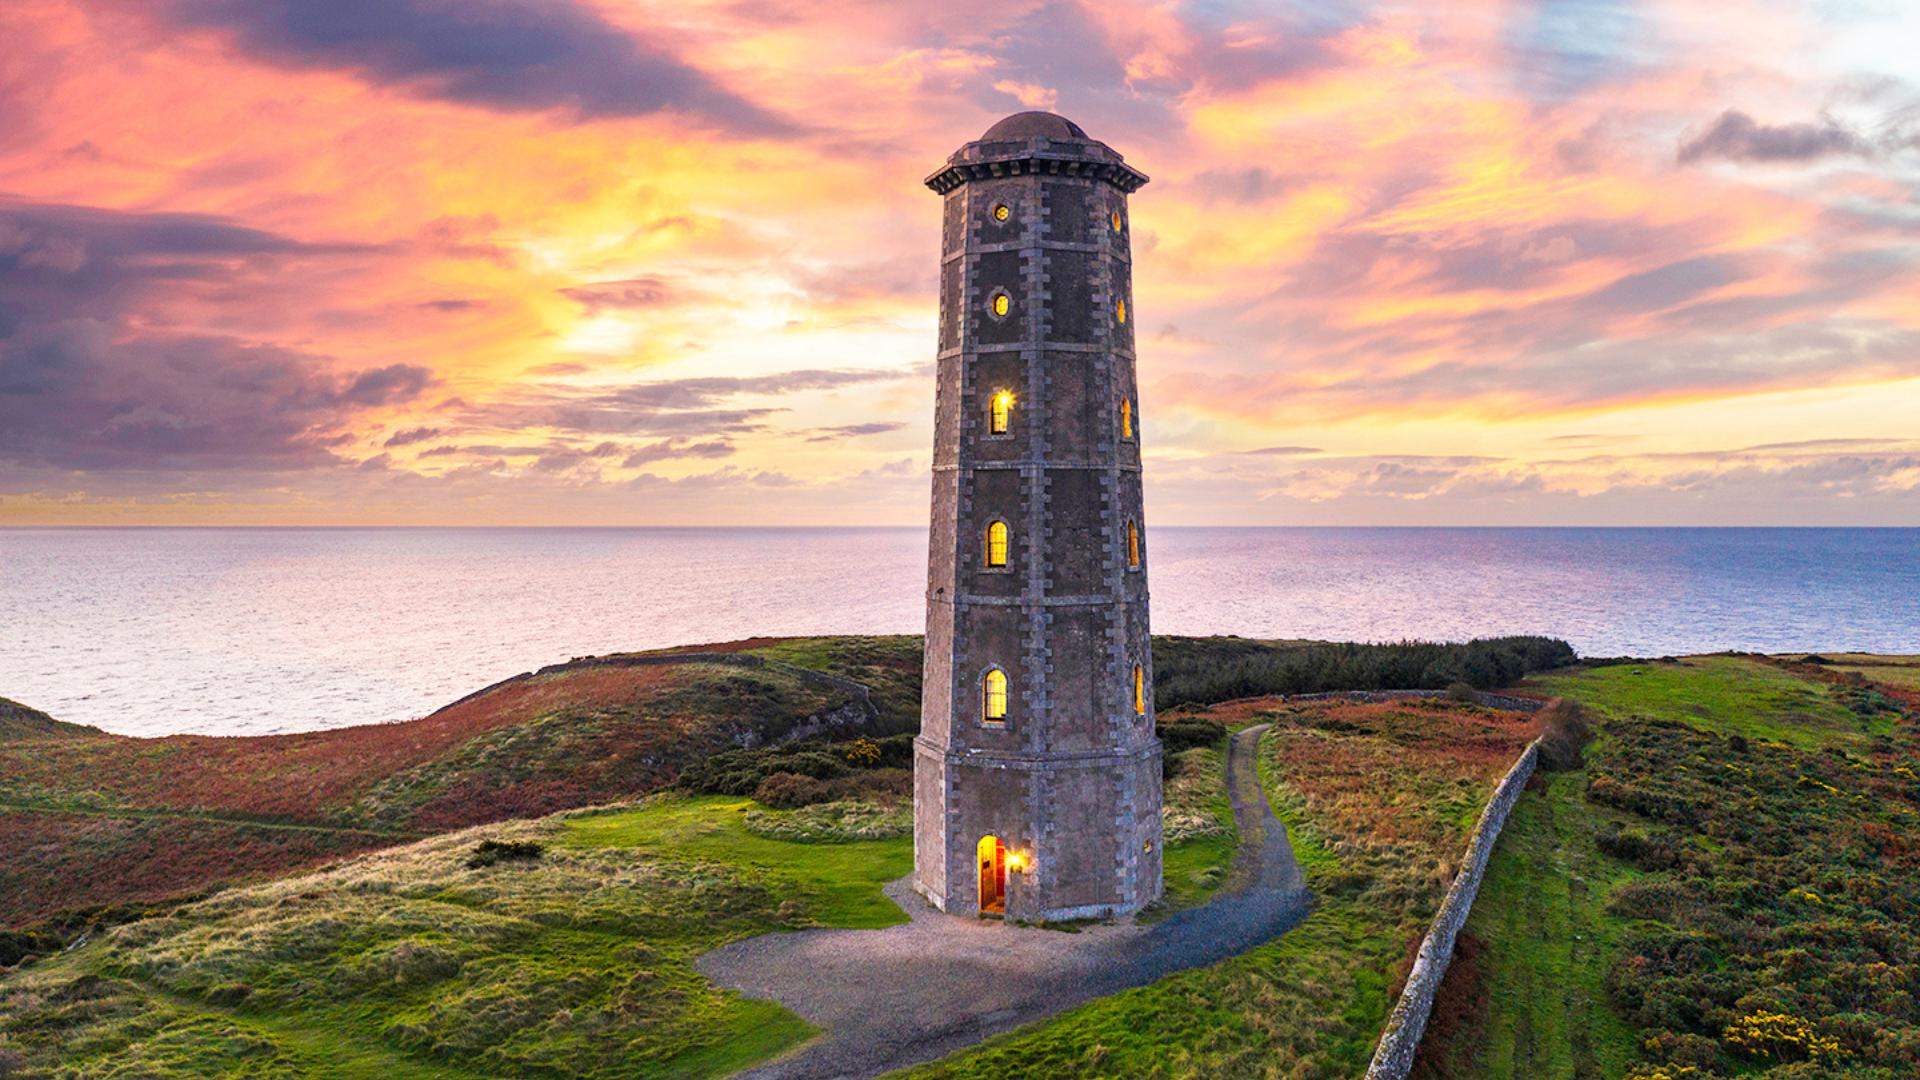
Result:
x=1037 y=771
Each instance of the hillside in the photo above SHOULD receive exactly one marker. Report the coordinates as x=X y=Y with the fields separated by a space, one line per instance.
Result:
x=563 y=945
x=95 y=821
x=1731 y=887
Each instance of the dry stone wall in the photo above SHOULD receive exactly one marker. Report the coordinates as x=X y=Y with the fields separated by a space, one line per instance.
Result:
x=1393 y=1059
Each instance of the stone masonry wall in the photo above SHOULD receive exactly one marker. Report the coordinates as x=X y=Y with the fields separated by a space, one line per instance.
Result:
x=1393 y=1059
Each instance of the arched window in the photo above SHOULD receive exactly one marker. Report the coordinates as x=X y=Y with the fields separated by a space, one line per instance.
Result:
x=1000 y=412
x=997 y=544
x=993 y=697
x=1115 y=218
x=1139 y=691
x=1120 y=310
x=1126 y=418
x=1133 y=546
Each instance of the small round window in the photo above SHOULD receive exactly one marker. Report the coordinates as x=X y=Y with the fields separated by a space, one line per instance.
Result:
x=1000 y=305
x=1120 y=309
x=1001 y=212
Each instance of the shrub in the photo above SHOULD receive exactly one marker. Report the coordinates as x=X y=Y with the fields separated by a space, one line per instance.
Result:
x=1205 y=671
x=1644 y=849
x=1461 y=692
x=1178 y=736
x=1779 y=1037
x=1566 y=730
x=490 y=852
x=788 y=791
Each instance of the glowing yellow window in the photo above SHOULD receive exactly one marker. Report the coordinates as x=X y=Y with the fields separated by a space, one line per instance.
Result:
x=1126 y=418
x=1116 y=219
x=997 y=544
x=1000 y=412
x=1133 y=546
x=1120 y=309
x=1139 y=691
x=993 y=696
x=1002 y=303
x=1001 y=212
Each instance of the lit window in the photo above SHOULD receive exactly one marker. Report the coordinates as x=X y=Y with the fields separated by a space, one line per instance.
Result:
x=1001 y=212
x=1126 y=418
x=1120 y=309
x=993 y=696
x=1133 y=546
x=1116 y=219
x=1139 y=691
x=997 y=544
x=1000 y=412
x=1001 y=304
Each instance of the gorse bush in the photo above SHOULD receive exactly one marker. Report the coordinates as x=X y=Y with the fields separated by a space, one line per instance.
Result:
x=1205 y=671
x=741 y=772
x=1778 y=921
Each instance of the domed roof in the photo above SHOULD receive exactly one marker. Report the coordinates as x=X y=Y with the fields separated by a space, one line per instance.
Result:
x=1036 y=124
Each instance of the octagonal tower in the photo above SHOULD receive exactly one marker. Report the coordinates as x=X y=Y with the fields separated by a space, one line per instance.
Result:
x=1037 y=771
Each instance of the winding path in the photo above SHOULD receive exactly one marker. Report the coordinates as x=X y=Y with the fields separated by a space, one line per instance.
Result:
x=905 y=994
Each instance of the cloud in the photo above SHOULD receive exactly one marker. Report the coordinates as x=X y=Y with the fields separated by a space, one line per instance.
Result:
x=698 y=406
x=630 y=293
x=72 y=396
x=410 y=436
x=669 y=449
x=508 y=55
x=90 y=378
x=847 y=431
x=1285 y=451
x=1736 y=136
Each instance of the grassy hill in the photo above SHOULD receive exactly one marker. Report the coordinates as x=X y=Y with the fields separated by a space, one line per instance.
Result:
x=94 y=821
x=452 y=914
x=1730 y=888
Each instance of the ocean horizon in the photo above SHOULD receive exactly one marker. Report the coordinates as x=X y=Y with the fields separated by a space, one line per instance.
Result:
x=235 y=630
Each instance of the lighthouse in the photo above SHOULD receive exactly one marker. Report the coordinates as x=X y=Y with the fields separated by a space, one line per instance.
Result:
x=1037 y=770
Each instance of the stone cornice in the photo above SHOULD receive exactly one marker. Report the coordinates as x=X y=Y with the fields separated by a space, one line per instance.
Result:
x=986 y=161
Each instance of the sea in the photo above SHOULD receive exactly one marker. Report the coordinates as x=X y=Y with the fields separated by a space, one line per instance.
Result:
x=154 y=631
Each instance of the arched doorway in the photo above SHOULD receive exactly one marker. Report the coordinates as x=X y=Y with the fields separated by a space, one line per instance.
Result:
x=993 y=876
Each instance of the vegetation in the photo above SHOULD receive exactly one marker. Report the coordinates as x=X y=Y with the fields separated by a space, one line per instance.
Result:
x=1378 y=801
x=96 y=825
x=1198 y=834
x=1200 y=671
x=567 y=953
x=1731 y=887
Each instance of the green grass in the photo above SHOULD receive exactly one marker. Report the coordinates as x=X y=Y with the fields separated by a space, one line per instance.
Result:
x=1201 y=836
x=410 y=963
x=839 y=883
x=1541 y=914
x=1901 y=671
x=1724 y=694
x=1307 y=1005
x=1566 y=926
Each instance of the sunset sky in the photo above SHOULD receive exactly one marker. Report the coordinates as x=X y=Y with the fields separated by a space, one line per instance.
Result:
x=628 y=263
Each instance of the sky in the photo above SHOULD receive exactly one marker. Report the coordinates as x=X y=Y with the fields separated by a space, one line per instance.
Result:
x=586 y=262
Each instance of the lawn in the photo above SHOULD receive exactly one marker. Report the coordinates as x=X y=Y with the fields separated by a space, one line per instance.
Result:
x=1731 y=884
x=1376 y=801
x=575 y=961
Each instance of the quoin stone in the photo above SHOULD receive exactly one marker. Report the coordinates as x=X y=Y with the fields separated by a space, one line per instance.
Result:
x=1037 y=770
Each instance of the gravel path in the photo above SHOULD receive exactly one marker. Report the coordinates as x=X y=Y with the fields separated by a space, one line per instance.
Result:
x=890 y=998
